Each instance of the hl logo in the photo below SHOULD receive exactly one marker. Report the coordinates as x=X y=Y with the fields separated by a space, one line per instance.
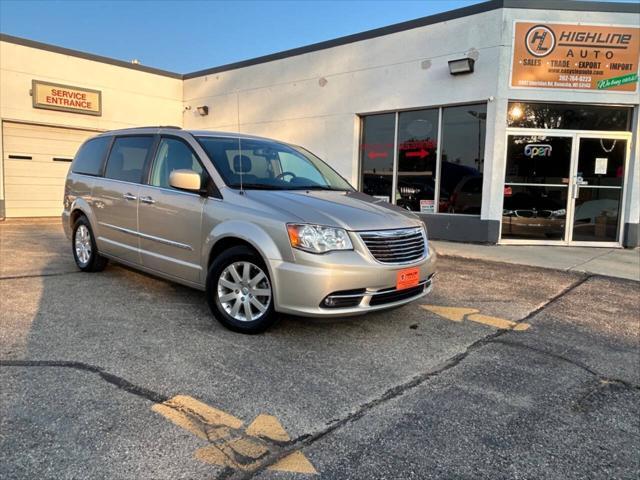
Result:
x=540 y=41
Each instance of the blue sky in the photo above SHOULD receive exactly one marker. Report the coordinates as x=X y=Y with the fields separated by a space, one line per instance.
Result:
x=184 y=36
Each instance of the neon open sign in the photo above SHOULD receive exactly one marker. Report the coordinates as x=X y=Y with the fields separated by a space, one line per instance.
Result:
x=537 y=150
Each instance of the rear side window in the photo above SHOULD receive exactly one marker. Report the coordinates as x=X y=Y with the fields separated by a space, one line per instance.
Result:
x=127 y=158
x=88 y=160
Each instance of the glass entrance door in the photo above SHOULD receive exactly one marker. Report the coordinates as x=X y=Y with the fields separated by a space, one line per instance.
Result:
x=564 y=188
x=597 y=186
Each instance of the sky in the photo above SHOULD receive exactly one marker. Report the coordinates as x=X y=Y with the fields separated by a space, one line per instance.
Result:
x=186 y=36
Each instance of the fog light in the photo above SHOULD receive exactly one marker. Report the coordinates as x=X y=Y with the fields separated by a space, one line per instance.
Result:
x=330 y=302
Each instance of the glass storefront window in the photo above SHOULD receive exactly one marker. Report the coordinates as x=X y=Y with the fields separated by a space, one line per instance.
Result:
x=376 y=155
x=417 y=153
x=458 y=189
x=569 y=117
x=463 y=137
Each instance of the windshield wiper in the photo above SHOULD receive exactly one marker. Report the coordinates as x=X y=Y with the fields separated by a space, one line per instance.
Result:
x=255 y=186
x=317 y=187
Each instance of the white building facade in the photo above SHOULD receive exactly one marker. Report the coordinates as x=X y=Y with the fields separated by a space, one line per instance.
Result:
x=529 y=136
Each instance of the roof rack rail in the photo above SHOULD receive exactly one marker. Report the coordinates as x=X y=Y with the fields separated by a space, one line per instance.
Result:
x=152 y=126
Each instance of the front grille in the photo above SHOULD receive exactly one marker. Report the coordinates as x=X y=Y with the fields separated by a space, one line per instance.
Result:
x=395 y=246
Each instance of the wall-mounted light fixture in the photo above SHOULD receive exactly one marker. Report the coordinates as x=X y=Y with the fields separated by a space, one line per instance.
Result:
x=203 y=110
x=460 y=66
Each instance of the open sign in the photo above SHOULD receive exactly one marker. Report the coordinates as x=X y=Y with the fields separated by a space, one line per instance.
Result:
x=537 y=150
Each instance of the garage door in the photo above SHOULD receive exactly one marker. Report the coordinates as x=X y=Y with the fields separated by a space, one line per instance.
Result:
x=36 y=161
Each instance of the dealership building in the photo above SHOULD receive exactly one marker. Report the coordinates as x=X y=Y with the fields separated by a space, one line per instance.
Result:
x=502 y=122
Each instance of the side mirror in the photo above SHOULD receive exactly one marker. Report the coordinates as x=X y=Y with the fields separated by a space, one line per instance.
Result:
x=186 y=180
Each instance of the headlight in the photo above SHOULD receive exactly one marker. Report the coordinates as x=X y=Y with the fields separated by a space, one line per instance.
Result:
x=318 y=239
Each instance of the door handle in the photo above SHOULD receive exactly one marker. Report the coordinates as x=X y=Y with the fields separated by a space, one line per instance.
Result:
x=581 y=181
x=129 y=196
x=148 y=200
x=577 y=183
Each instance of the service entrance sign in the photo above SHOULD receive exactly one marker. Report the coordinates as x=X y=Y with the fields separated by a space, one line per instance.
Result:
x=52 y=96
x=577 y=57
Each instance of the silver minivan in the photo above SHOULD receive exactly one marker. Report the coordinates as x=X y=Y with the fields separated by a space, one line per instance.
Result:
x=262 y=226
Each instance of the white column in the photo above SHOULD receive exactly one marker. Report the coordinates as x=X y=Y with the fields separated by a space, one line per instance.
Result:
x=632 y=194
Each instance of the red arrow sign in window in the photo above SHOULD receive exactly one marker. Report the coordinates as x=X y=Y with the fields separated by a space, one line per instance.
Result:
x=420 y=153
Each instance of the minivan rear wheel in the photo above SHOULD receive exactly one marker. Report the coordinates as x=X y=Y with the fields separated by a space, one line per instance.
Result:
x=239 y=291
x=85 y=251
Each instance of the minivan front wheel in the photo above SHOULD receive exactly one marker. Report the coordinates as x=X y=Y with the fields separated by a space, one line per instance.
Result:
x=239 y=291
x=85 y=251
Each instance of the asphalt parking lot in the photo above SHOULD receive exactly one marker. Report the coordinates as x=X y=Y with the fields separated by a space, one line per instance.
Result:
x=504 y=371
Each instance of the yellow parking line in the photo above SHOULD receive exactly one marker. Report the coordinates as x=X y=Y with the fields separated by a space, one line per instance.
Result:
x=497 y=322
x=268 y=426
x=207 y=413
x=458 y=314
x=230 y=445
x=198 y=418
x=179 y=419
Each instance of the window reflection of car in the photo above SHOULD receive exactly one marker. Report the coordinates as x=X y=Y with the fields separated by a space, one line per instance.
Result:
x=534 y=213
x=413 y=189
x=466 y=196
x=377 y=185
x=457 y=178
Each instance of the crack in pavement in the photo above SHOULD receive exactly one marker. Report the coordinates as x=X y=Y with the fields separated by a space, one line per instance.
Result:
x=305 y=440
x=119 y=382
x=575 y=363
x=602 y=386
x=37 y=275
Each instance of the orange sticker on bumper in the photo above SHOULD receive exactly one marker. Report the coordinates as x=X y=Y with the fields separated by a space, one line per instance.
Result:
x=407 y=278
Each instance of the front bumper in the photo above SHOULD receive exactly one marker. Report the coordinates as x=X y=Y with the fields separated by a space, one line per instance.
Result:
x=301 y=287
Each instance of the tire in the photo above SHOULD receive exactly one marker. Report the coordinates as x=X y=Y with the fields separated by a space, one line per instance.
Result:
x=244 y=306
x=83 y=245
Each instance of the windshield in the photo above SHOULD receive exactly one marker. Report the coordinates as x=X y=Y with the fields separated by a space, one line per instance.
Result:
x=260 y=164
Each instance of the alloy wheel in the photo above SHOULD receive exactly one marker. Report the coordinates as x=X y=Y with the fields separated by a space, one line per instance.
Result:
x=244 y=291
x=82 y=243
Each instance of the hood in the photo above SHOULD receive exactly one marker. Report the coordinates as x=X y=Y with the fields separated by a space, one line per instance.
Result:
x=348 y=210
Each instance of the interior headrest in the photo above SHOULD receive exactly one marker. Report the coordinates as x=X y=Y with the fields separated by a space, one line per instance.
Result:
x=241 y=164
